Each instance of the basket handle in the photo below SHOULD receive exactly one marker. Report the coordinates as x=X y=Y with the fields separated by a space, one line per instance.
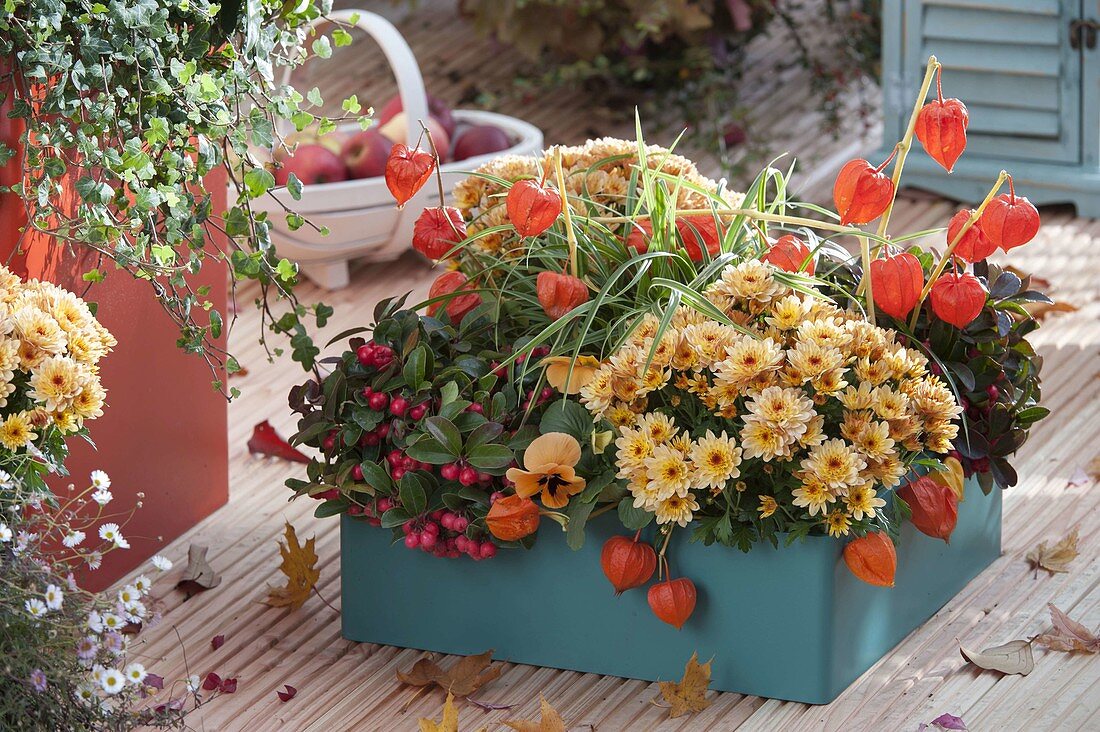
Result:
x=410 y=84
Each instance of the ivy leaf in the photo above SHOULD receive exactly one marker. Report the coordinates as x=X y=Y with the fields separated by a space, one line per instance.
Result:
x=300 y=567
x=1013 y=657
x=322 y=47
x=550 y=720
x=1056 y=558
x=462 y=678
x=689 y=695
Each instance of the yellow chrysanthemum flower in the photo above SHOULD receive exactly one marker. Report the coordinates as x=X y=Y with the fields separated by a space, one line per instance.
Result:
x=767 y=507
x=813 y=496
x=660 y=426
x=862 y=501
x=676 y=509
x=715 y=460
x=55 y=382
x=834 y=464
x=668 y=472
x=837 y=523
x=16 y=432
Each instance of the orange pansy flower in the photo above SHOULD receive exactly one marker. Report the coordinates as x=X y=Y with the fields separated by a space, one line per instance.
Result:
x=557 y=372
x=549 y=463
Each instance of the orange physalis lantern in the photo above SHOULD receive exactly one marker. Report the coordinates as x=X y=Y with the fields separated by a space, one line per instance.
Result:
x=861 y=192
x=531 y=207
x=790 y=253
x=407 y=171
x=896 y=283
x=935 y=507
x=458 y=305
x=941 y=128
x=974 y=245
x=627 y=563
x=872 y=558
x=560 y=293
x=437 y=231
x=696 y=231
x=673 y=601
x=957 y=298
x=512 y=517
x=1010 y=220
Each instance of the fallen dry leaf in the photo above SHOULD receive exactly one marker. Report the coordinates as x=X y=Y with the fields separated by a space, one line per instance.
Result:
x=299 y=566
x=1079 y=478
x=690 y=694
x=1068 y=635
x=449 y=722
x=289 y=693
x=1056 y=558
x=946 y=721
x=550 y=720
x=266 y=441
x=1013 y=657
x=1040 y=310
x=464 y=677
x=198 y=575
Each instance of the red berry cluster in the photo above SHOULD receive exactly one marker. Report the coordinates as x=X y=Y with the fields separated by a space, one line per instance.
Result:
x=444 y=534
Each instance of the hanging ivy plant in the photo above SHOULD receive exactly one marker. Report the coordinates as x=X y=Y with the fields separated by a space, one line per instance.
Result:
x=127 y=108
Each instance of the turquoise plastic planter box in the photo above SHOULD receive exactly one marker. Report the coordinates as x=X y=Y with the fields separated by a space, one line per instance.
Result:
x=789 y=623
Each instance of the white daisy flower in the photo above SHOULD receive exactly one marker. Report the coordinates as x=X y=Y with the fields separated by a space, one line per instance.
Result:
x=135 y=673
x=193 y=684
x=128 y=594
x=73 y=539
x=112 y=622
x=93 y=560
x=97 y=673
x=35 y=607
x=110 y=532
x=113 y=681
x=135 y=611
x=162 y=563
x=102 y=497
x=5 y=533
x=85 y=693
x=5 y=479
x=54 y=597
x=142 y=584
x=100 y=480
x=95 y=622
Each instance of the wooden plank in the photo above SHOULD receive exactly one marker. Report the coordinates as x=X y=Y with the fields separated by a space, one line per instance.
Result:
x=344 y=685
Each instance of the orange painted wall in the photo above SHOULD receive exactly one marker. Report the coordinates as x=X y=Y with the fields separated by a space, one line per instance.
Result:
x=163 y=431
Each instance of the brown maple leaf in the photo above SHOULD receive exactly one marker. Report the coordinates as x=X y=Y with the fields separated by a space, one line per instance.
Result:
x=299 y=566
x=689 y=695
x=550 y=720
x=1040 y=310
x=464 y=677
x=198 y=575
x=449 y=722
x=1056 y=558
x=1068 y=635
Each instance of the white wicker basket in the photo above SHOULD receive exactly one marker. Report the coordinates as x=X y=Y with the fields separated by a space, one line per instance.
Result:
x=361 y=216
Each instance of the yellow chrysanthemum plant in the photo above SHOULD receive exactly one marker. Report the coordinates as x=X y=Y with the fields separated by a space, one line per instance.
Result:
x=50 y=348
x=707 y=375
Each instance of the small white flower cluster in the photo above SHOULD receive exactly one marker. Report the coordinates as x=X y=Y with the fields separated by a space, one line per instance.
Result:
x=105 y=640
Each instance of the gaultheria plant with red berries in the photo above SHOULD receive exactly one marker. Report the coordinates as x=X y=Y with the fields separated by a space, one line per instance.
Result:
x=616 y=334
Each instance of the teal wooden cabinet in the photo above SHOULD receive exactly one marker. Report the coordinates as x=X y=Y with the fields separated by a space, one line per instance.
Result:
x=1028 y=71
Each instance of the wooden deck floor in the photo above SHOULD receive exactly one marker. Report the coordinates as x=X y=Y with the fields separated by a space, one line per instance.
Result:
x=348 y=686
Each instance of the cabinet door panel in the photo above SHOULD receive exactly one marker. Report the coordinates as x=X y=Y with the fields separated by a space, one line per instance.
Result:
x=1012 y=64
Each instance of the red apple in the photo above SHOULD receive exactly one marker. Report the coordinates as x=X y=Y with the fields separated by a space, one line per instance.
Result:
x=436 y=108
x=395 y=131
x=365 y=154
x=312 y=163
x=480 y=140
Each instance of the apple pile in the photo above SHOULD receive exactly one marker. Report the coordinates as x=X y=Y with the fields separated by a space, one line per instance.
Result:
x=348 y=155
